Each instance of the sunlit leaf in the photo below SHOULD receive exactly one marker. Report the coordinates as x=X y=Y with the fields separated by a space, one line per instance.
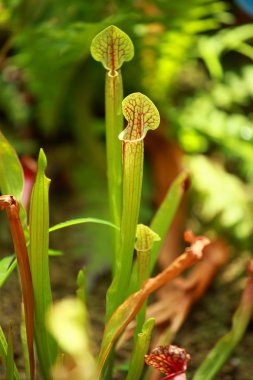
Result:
x=67 y=322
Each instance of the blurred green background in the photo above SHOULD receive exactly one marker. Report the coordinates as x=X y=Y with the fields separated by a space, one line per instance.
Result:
x=193 y=58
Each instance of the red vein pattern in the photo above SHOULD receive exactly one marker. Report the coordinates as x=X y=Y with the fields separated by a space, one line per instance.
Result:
x=112 y=47
x=141 y=114
x=168 y=359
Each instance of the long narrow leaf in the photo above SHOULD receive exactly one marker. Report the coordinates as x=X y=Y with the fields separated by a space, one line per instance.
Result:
x=9 y=263
x=23 y=337
x=3 y=353
x=39 y=225
x=225 y=346
x=166 y=212
x=74 y=222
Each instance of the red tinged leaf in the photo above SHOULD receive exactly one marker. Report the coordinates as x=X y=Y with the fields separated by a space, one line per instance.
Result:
x=30 y=170
x=9 y=203
x=131 y=306
x=168 y=359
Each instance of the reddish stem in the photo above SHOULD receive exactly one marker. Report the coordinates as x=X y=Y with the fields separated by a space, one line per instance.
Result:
x=9 y=203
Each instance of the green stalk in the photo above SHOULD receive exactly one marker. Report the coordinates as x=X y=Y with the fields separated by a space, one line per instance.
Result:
x=141 y=115
x=140 y=350
x=112 y=47
x=145 y=239
x=225 y=346
x=23 y=337
x=114 y=125
x=10 y=355
x=81 y=285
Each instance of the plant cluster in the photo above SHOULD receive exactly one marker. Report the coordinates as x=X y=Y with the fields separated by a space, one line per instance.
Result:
x=59 y=332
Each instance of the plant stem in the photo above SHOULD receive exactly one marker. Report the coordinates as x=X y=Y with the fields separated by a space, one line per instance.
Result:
x=9 y=203
x=142 y=116
x=145 y=239
x=140 y=349
x=132 y=182
x=114 y=125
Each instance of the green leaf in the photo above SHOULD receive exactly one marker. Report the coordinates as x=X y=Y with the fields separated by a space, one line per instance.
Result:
x=7 y=265
x=54 y=252
x=145 y=239
x=11 y=175
x=218 y=356
x=81 y=284
x=11 y=172
x=23 y=337
x=4 y=354
x=166 y=212
x=39 y=236
x=112 y=47
x=74 y=222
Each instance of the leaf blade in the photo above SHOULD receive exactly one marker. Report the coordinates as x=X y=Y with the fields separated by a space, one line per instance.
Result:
x=166 y=212
x=39 y=241
x=3 y=353
x=73 y=222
